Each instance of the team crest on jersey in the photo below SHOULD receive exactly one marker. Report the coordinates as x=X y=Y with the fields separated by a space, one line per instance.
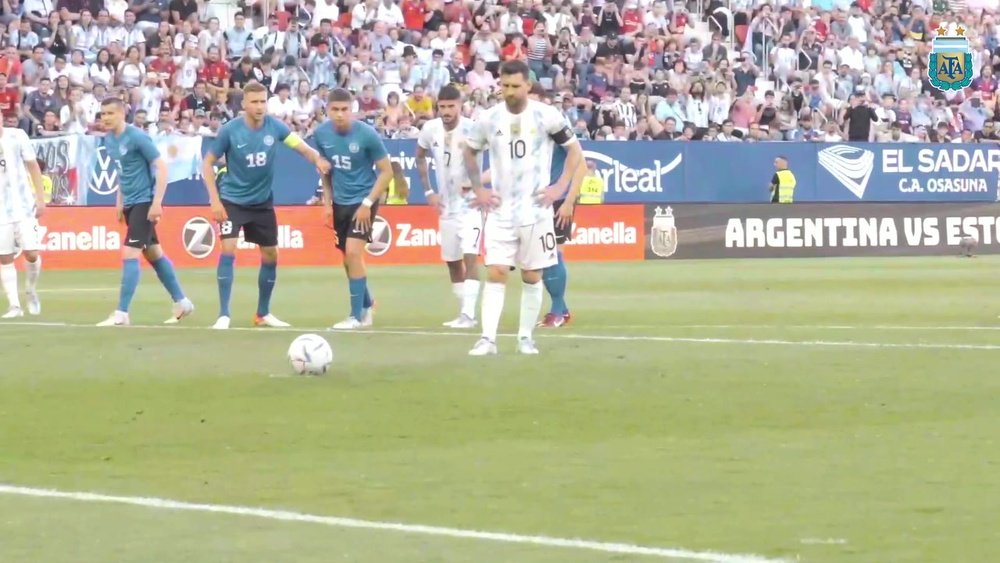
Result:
x=353 y=147
x=123 y=150
x=268 y=140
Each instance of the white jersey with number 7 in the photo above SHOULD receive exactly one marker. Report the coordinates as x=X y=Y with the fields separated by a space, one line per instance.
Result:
x=17 y=194
x=520 y=148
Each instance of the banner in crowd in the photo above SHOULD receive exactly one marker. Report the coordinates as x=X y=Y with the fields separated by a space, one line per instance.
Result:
x=680 y=172
x=67 y=160
x=819 y=230
x=90 y=237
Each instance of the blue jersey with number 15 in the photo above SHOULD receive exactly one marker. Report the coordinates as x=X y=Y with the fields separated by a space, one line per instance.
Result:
x=352 y=157
x=250 y=158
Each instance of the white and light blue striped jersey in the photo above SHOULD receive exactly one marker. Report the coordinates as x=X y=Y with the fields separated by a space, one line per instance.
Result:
x=17 y=194
x=520 y=147
x=446 y=150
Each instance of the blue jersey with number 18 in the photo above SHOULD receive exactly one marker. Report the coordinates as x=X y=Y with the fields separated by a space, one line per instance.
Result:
x=352 y=157
x=250 y=156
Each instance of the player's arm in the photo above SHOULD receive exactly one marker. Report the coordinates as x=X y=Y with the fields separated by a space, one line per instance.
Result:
x=424 y=141
x=476 y=142
x=574 y=154
x=569 y=171
x=221 y=147
x=36 y=180
x=149 y=151
x=385 y=174
x=294 y=142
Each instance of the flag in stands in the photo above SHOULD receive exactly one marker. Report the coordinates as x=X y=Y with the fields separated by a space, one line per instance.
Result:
x=182 y=154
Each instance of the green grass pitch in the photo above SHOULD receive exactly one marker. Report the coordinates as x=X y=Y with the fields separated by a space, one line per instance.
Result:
x=803 y=410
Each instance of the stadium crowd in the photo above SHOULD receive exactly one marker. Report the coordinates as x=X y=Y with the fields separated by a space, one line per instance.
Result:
x=792 y=70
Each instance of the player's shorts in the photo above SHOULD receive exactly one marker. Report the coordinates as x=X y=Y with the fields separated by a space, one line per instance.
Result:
x=564 y=234
x=22 y=235
x=141 y=232
x=343 y=223
x=532 y=247
x=461 y=235
x=259 y=224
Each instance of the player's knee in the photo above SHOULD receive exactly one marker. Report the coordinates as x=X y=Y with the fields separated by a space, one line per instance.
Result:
x=531 y=276
x=7 y=259
x=30 y=256
x=153 y=253
x=131 y=252
x=269 y=254
x=229 y=246
x=497 y=274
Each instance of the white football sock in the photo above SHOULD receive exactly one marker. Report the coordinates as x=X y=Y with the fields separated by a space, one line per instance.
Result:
x=8 y=277
x=532 y=295
x=493 y=296
x=470 y=295
x=34 y=271
x=457 y=291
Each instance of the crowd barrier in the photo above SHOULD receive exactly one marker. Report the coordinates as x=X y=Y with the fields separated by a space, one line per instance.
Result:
x=634 y=171
x=90 y=237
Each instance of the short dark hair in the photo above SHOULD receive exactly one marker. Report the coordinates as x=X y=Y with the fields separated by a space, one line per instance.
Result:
x=515 y=67
x=449 y=93
x=339 y=95
x=253 y=88
x=113 y=101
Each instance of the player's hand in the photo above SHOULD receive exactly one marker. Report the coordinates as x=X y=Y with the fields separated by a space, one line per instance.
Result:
x=565 y=216
x=434 y=200
x=328 y=216
x=485 y=199
x=155 y=213
x=219 y=212
x=363 y=219
x=550 y=195
x=120 y=213
x=322 y=166
x=39 y=209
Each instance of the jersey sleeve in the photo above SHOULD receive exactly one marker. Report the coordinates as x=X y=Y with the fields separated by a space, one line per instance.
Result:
x=284 y=134
x=426 y=138
x=221 y=145
x=477 y=137
x=146 y=147
x=556 y=127
x=25 y=147
x=376 y=148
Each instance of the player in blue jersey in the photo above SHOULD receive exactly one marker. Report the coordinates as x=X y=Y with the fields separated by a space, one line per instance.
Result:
x=351 y=194
x=245 y=199
x=140 y=206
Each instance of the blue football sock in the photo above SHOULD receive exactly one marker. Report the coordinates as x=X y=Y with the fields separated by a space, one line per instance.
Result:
x=368 y=296
x=266 y=278
x=225 y=278
x=555 y=278
x=168 y=277
x=130 y=281
x=358 y=289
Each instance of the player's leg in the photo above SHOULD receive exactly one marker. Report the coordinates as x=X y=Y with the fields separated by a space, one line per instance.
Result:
x=165 y=272
x=501 y=253
x=472 y=240
x=556 y=278
x=352 y=243
x=29 y=240
x=263 y=231
x=451 y=254
x=229 y=232
x=137 y=236
x=8 y=271
x=536 y=252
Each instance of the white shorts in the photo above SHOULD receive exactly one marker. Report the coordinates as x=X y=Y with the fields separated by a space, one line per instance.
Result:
x=20 y=236
x=532 y=247
x=461 y=235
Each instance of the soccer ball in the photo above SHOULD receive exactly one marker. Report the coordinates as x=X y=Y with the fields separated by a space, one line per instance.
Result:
x=310 y=354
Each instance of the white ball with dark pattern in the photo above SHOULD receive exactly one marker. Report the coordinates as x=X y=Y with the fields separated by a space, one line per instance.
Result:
x=310 y=354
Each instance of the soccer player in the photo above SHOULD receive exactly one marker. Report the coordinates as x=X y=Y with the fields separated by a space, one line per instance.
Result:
x=461 y=225
x=351 y=194
x=140 y=206
x=22 y=202
x=520 y=135
x=245 y=199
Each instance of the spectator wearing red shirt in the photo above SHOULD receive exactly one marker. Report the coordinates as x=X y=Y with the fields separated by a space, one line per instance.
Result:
x=215 y=73
x=10 y=97
x=164 y=64
x=10 y=65
x=413 y=14
x=632 y=18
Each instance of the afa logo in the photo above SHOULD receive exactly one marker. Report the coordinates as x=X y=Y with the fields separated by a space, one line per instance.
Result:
x=950 y=64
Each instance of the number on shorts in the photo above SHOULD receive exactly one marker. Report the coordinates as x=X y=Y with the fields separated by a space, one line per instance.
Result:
x=518 y=148
x=257 y=159
x=548 y=241
x=478 y=232
x=226 y=227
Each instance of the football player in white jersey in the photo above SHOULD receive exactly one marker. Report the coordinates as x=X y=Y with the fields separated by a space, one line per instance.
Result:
x=461 y=224
x=521 y=135
x=22 y=202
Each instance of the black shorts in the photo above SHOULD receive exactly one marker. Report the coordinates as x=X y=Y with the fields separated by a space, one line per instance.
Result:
x=141 y=232
x=343 y=223
x=259 y=224
x=564 y=234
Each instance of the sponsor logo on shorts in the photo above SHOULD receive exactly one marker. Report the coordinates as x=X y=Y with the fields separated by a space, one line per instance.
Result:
x=198 y=237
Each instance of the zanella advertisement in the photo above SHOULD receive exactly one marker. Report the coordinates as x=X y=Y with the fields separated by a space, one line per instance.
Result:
x=817 y=230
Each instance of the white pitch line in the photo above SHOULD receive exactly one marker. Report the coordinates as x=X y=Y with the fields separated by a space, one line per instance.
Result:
x=813 y=327
x=339 y=522
x=77 y=289
x=596 y=337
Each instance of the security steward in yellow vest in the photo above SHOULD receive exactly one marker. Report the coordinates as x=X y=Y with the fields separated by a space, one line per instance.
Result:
x=783 y=182
x=399 y=188
x=592 y=187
